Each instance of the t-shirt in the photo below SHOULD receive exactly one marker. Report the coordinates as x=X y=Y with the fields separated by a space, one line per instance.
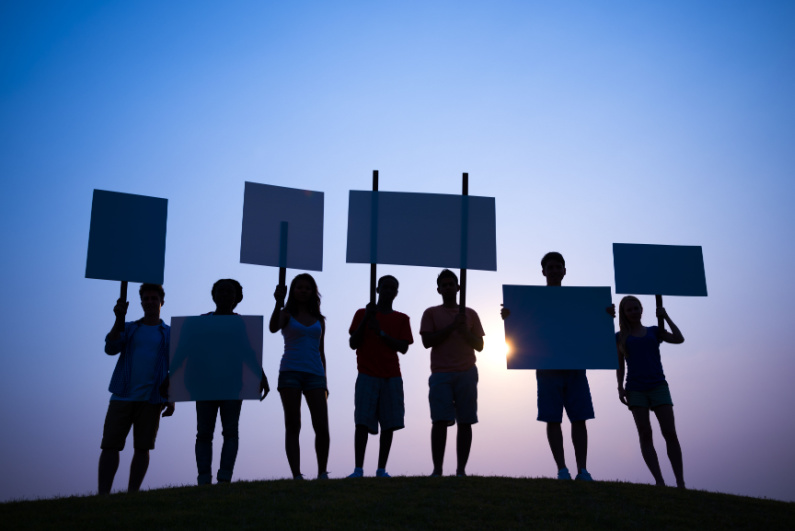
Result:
x=374 y=357
x=145 y=345
x=453 y=354
x=644 y=366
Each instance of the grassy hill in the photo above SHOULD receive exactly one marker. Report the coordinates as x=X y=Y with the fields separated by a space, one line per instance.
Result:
x=405 y=503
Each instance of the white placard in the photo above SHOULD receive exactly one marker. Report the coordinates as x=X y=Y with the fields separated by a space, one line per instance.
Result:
x=265 y=209
x=215 y=357
x=559 y=327
x=432 y=230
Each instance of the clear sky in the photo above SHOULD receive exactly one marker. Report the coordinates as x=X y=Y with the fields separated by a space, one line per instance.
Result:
x=589 y=122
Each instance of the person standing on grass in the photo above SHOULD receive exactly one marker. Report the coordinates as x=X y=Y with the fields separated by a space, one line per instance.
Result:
x=564 y=389
x=136 y=402
x=378 y=333
x=453 y=338
x=303 y=368
x=646 y=388
x=227 y=293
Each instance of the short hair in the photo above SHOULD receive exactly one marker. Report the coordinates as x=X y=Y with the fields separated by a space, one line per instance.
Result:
x=554 y=255
x=157 y=288
x=445 y=274
x=388 y=277
x=235 y=284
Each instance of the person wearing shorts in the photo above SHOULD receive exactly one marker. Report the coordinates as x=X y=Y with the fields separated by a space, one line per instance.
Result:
x=378 y=333
x=453 y=337
x=136 y=402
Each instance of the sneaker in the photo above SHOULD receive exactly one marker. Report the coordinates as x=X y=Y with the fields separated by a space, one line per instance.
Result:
x=563 y=473
x=460 y=474
x=322 y=475
x=357 y=473
x=298 y=476
x=381 y=473
x=583 y=475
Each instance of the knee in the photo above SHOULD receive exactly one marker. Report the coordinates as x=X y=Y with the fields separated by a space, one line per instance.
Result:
x=669 y=434
x=645 y=435
x=292 y=427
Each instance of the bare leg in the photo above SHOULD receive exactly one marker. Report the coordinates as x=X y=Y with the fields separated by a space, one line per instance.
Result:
x=291 y=402
x=138 y=468
x=555 y=438
x=641 y=415
x=665 y=416
x=579 y=438
x=360 y=444
x=385 y=446
x=438 y=443
x=108 y=464
x=463 y=446
x=318 y=409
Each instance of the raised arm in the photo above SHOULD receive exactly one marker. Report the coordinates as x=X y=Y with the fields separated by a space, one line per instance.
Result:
x=112 y=344
x=279 y=317
x=674 y=336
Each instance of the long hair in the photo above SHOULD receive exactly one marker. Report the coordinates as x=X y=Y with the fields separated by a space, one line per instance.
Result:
x=312 y=305
x=624 y=326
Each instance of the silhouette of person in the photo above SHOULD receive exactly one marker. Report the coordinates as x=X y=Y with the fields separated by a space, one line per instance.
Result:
x=227 y=294
x=564 y=389
x=646 y=388
x=303 y=368
x=453 y=338
x=136 y=402
x=378 y=333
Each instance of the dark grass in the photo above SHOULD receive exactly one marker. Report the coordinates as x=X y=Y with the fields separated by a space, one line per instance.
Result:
x=405 y=503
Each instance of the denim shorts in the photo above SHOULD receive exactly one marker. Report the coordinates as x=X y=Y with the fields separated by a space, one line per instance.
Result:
x=379 y=400
x=305 y=381
x=659 y=396
x=454 y=396
x=142 y=417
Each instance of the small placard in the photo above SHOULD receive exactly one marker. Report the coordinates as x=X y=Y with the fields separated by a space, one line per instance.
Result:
x=559 y=327
x=266 y=209
x=215 y=357
x=127 y=237
x=433 y=230
x=642 y=269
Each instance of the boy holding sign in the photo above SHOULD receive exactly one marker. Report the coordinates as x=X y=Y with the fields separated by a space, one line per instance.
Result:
x=136 y=403
x=378 y=333
x=453 y=338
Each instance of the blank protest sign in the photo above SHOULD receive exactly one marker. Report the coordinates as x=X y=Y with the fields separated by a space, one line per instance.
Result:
x=643 y=269
x=265 y=207
x=422 y=230
x=127 y=237
x=215 y=357
x=559 y=327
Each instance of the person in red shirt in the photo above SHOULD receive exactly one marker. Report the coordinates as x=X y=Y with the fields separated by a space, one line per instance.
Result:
x=378 y=333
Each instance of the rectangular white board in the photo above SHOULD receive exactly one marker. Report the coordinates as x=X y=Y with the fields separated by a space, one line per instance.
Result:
x=559 y=327
x=215 y=357
x=127 y=237
x=433 y=230
x=265 y=207
x=642 y=269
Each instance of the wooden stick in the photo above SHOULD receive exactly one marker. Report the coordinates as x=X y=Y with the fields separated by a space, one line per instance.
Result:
x=373 y=241
x=283 y=254
x=123 y=291
x=660 y=320
x=464 y=241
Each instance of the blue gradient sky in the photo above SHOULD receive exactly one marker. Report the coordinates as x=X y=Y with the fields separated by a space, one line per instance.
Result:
x=590 y=123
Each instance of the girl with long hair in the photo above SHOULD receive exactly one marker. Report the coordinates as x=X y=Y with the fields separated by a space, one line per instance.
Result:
x=646 y=388
x=303 y=368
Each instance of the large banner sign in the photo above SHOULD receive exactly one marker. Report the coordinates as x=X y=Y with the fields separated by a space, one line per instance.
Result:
x=215 y=357
x=282 y=227
x=642 y=269
x=432 y=230
x=127 y=237
x=559 y=327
